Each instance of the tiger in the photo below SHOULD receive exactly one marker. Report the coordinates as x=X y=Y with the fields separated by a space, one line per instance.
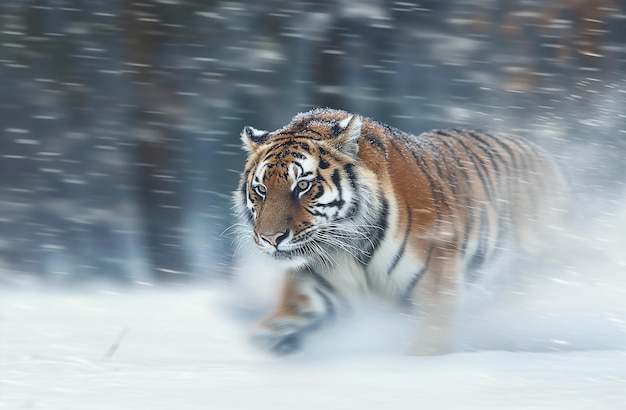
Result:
x=352 y=208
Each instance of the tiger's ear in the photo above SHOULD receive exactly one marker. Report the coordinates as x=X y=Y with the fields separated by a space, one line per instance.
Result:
x=349 y=132
x=252 y=138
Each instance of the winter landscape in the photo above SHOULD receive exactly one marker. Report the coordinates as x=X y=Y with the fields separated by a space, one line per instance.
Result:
x=120 y=149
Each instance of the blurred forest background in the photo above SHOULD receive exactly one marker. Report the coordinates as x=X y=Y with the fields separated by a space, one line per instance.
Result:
x=120 y=119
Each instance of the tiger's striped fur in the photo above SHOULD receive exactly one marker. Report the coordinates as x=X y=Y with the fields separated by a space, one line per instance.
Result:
x=356 y=207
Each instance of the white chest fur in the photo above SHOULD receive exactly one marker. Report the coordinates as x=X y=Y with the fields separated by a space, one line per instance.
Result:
x=386 y=275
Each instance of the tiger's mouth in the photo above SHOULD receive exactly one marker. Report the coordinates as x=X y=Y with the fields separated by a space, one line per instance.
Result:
x=304 y=253
x=294 y=250
x=299 y=250
x=286 y=255
x=295 y=258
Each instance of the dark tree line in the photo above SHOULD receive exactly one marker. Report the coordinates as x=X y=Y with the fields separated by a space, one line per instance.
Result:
x=121 y=119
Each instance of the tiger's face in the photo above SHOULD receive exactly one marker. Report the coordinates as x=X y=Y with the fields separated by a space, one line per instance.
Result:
x=298 y=192
x=288 y=196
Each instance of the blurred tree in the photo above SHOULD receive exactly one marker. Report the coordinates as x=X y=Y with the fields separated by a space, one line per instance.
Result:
x=156 y=117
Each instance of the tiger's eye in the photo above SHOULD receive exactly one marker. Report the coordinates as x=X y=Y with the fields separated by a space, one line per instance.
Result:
x=304 y=185
x=261 y=190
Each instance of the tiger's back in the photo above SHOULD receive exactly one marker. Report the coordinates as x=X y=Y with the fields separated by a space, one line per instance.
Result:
x=364 y=208
x=473 y=191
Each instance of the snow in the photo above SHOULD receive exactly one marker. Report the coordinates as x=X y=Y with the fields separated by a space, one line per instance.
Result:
x=552 y=341
x=186 y=349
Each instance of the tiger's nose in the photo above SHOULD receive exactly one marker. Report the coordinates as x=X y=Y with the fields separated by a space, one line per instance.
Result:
x=274 y=238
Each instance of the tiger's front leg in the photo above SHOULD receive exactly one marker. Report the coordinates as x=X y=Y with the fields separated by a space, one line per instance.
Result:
x=306 y=302
x=437 y=296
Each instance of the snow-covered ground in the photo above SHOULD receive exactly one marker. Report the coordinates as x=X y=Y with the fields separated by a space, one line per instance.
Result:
x=187 y=349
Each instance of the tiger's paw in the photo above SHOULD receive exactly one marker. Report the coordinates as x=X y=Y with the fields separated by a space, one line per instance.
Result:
x=280 y=335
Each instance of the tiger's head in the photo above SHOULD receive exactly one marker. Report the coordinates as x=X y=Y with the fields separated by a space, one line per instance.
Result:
x=299 y=191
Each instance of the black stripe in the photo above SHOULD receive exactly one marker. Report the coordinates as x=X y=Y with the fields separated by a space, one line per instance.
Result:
x=480 y=255
x=504 y=174
x=298 y=134
x=505 y=146
x=402 y=249
x=439 y=196
x=320 y=192
x=509 y=165
x=376 y=142
x=354 y=204
x=442 y=173
x=297 y=164
x=323 y=152
x=329 y=155
x=320 y=280
x=249 y=215
x=488 y=150
x=245 y=194
x=304 y=128
x=294 y=154
x=460 y=166
x=524 y=146
x=481 y=170
x=337 y=203
x=375 y=235
x=467 y=196
x=407 y=296
x=315 y=213
x=349 y=169
x=504 y=215
x=525 y=191
x=436 y=193
x=479 y=165
x=451 y=172
x=281 y=145
x=503 y=208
